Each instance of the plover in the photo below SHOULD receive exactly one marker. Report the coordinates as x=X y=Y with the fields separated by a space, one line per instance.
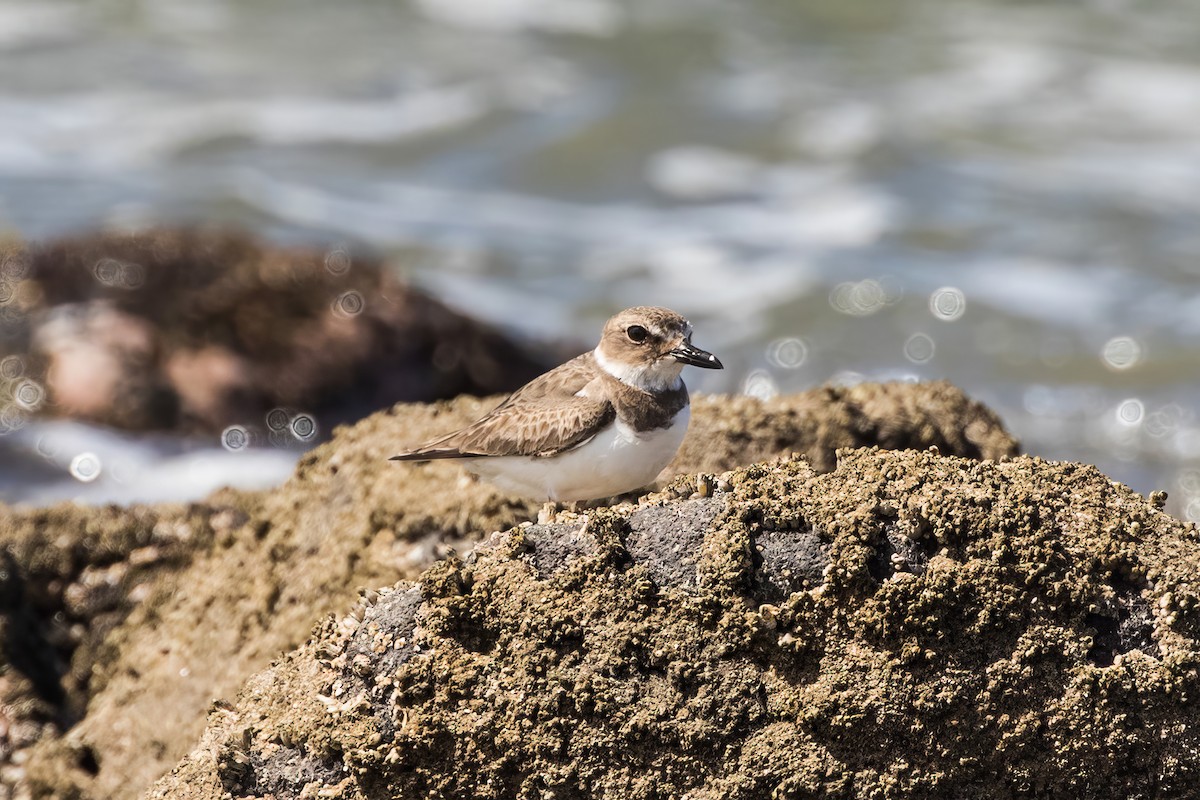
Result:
x=601 y=424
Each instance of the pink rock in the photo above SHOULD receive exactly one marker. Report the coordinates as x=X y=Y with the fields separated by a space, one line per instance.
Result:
x=94 y=355
x=212 y=383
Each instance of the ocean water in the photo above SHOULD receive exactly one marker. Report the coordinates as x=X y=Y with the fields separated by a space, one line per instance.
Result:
x=1004 y=195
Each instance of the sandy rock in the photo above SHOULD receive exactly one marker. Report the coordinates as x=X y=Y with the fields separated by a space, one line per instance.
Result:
x=350 y=519
x=897 y=416
x=68 y=576
x=1038 y=636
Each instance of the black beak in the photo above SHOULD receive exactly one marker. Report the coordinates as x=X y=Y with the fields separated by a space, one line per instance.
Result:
x=688 y=353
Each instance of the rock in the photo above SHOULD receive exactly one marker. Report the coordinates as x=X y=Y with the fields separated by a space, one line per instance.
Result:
x=1045 y=647
x=816 y=423
x=254 y=585
x=101 y=365
x=199 y=329
x=69 y=575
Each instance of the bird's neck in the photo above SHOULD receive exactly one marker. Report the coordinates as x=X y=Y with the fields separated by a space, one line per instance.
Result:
x=655 y=377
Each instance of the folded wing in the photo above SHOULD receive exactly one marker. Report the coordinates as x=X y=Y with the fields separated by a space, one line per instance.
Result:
x=545 y=417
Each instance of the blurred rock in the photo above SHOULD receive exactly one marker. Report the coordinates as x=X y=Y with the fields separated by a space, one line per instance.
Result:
x=213 y=382
x=102 y=365
x=197 y=330
x=563 y=661
x=264 y=567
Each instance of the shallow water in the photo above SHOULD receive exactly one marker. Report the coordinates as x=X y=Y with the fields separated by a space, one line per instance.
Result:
x=1004 y=195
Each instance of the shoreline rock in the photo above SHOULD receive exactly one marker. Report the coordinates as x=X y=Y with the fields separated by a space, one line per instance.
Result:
x=265 y=566
x=199 y=329
x=1037 y=636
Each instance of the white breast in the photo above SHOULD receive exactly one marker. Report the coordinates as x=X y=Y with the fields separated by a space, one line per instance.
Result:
x=616 y=460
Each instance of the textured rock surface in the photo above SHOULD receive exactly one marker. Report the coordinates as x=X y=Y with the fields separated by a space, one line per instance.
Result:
x=198 y=329
x=69 y=577
x=262 y=568
x=909 y=625
x=816 y=423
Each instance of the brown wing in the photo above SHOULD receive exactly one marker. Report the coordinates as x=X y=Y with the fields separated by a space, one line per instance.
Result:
x=542 y=418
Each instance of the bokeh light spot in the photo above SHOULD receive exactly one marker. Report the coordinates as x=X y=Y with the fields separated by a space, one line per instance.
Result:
x=86 y=467
x=277 y=419
x=235 y=438
x=15 y=267
x=12 y=368
x=1165 y=421
x=1121 y=353
x=790 y=353
x=1131 y=411
x=919 y=348
x=29 y=395
x=1189 y=482
x=760 y=384
x=947 y=303
x=133 y=276
x=859 y=298
x=119 y=274
x=304 y=427
x=337 y=261
x=11 y=419
x=107 y=271
x=349 y=304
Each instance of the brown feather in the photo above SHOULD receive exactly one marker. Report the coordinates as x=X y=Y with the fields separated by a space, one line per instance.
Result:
x=543 y=418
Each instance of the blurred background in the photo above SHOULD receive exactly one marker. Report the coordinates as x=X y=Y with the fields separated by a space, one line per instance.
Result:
x=1001 y=194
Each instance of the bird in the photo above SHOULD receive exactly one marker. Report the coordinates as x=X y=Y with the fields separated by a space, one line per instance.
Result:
x=602 y=424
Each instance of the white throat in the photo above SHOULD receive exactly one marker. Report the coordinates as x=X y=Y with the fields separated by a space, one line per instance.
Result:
x=660 y=376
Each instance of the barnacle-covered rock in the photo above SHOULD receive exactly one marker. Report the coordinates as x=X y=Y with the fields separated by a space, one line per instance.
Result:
x=908 y=625
x=258 y=569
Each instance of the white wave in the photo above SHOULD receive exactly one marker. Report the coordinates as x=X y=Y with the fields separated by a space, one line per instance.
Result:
x=391 y=213
x=23 y=24
x=110 y=131
x=703 y=173
x=588 y=17
x=40 y=466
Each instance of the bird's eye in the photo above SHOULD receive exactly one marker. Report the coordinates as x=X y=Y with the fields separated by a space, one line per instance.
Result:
x=636 y=333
